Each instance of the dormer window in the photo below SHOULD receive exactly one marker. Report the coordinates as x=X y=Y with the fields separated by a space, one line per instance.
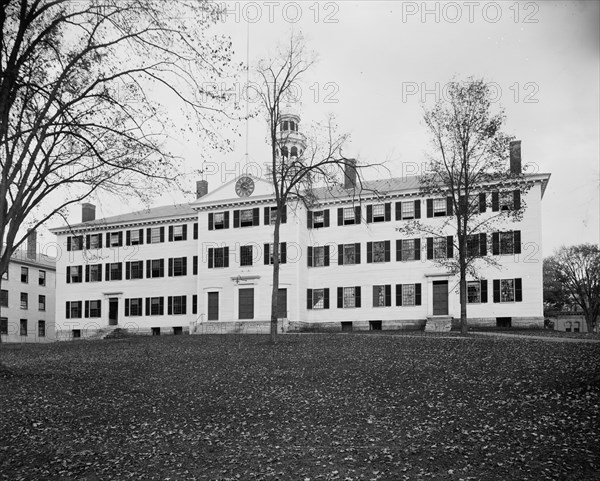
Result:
x=285 y=125
x=294 y=151
x=292 y=126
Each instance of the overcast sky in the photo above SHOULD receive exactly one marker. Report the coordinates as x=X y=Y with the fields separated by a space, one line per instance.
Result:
x=377 y=61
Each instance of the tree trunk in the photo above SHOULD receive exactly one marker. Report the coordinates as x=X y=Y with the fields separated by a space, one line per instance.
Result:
x=275 y=291
x=463 y=300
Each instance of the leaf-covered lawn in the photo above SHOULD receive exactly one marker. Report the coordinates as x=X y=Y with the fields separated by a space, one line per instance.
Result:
x=312 y=407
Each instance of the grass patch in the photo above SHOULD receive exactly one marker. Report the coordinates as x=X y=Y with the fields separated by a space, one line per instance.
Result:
x=327 y=407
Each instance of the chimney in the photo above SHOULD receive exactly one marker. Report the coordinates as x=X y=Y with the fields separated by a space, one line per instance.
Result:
x=201 y=188
x=88 y=212
x=31 y=244
x=350 y=174
x=515 y=157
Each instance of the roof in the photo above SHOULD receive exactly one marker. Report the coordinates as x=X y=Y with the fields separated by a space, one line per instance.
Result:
x=40 y=260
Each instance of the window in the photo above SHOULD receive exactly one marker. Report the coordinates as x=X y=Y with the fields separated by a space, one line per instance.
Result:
x=268 y=257
x=246 y=217
x=24 y=300
x=155 y=268
x=382 y=296
x=4 y=325
x=176 y=305
x=114 y=271
x=246 y=256
x=508 y=290
x=318 y=256
x=218 y=257
x=440 y=247
x=476 y=245
x=378 y=251
x=317 y=298
x=41 y=328
x=379 y=213
x=271 y=215
x=317 y=219
x=3 y=298
x=42 y=278
x=75 y=243
x=135 y=237
x=349 y=254
x=178 y=232
x=475 y=205
x=93 y=308
x=348 y=215
x=24 y=275
x=134 y=270
x=506 y=200
x=93 y=241
x=114 y=239
x=74 y=274
x=473 y=292
x=218 y=220
x=154 y=235
x=194 y=304
x=506 y=242
x=439 y=207
x=408 y=295
x=178 y=266
x=154 y=306
x=349 y=297
x=23 y=327
x=41 y=303
x=74 y=309
x=133 y=307
x=93 y=273
x=408 y=249
x=409 y=209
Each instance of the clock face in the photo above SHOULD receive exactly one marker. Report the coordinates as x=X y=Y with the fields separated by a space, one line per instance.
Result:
x=244 y=186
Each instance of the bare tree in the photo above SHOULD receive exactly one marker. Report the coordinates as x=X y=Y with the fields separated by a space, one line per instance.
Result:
x=469 y=159
x=296 y=174
x=577 y=272
x=79 y=109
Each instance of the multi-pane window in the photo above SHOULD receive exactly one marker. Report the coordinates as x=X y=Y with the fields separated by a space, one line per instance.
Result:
x=42 y=278
x=246 y=217
x=24 y=275
x=75 y=243
x=115 y=239
x=349 y=215
x=507 y=290
x=269 y=252
x=74 y=274
x=217 y=221
x=114 y=271
x=476 y=245
x=349 y=254
x=133 y=306
x=382 y=296
x=410 y=249
x=24 y=300
x=41 y=303
x=408 y=294
x=408 y=210
x=177 y=305
x=74 y=309
x=178 y=266
x=473 y=292
x=318 y=299
x=154 y=306
x=246 y=255
x=93 y=273
x=23 y=327
x=439 y=248
x=349 y=298
x=4 y=325
x=95 y=241
x=271 y=215
x=155 y=235
x=318 y=256
x=379 y=251
x=439 y=207
x=93 y=308
x=507 y=245
x=178 y=234
x=155 y=268
x=3 y=298
x=318 y=219
x=135 y=237
x=506 y=242
x=134 y=270
x=41 y=328
x=506 y=200
x=378 y=213
x=218 y=257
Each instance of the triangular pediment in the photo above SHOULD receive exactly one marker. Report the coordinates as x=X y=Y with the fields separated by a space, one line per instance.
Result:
x=244 y=188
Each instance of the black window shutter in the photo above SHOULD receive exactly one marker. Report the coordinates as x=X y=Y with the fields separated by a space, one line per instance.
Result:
x=211 y=223
x=147 y=306
x=340 y=216
x=518 y=290
x=398 y=294
x=170 y=267
x=184 y=232
x=482 y=206
x=429 y=207
x=100 y=272
x=170 y=233
x=194 y=304
x=326 y=298
x=148 y=268
x=369 y=252
x=398 y=249
x=417 y=249
x=357 y=214
x=127 y=307
x=483 y=244
x=417 y=209
x=340 y=297
x=388 y=295
x=388 y=211
x=496 y=290
x=387 y=251
x=210 y=257
x=87 y=309
x=226 y=219
x=87 y=273
x=170 y=305
x=100 y=240
x=236 y=218
x=309 y=298
x=195 y=230
x=517 y=241
x=517 y=199
x=369 y=214
x=127 y=270
x=225 y=256
x=68 y=310
x=495 y=243
x=256 y=216
x=284 y=215
x=430 y=248
x=340 y=254
x=127 y=238
x=308 y=219
x=267 y=254
x=309 y=257
x=326 y=260
x=195 y=265
x=184 y=304
x=282 y=253
x=162 y=234
x=483 y=290
x=495 y=201
x=417 y=294
x=69 y=243
x=108 y=239
x=357 y=253
x=449 y=205
x=267 y=215
x=148 y=235
x=87 y=241
x=69 y=274
x=162 y=305
x=326 y=218
x=357 y=296
x=107 y=276
x=398 y=210
x=375 y=297
x=449 y=247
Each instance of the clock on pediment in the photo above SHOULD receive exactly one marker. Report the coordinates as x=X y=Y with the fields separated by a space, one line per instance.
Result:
x=244 y=186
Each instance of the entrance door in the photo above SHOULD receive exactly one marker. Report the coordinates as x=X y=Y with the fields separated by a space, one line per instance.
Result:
x=213 y=306
x=281 y=303
x=113 y=311
x=440 y=298
x=246 y=303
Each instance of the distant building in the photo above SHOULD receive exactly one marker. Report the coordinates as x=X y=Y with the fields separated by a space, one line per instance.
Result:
x=27 y=304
